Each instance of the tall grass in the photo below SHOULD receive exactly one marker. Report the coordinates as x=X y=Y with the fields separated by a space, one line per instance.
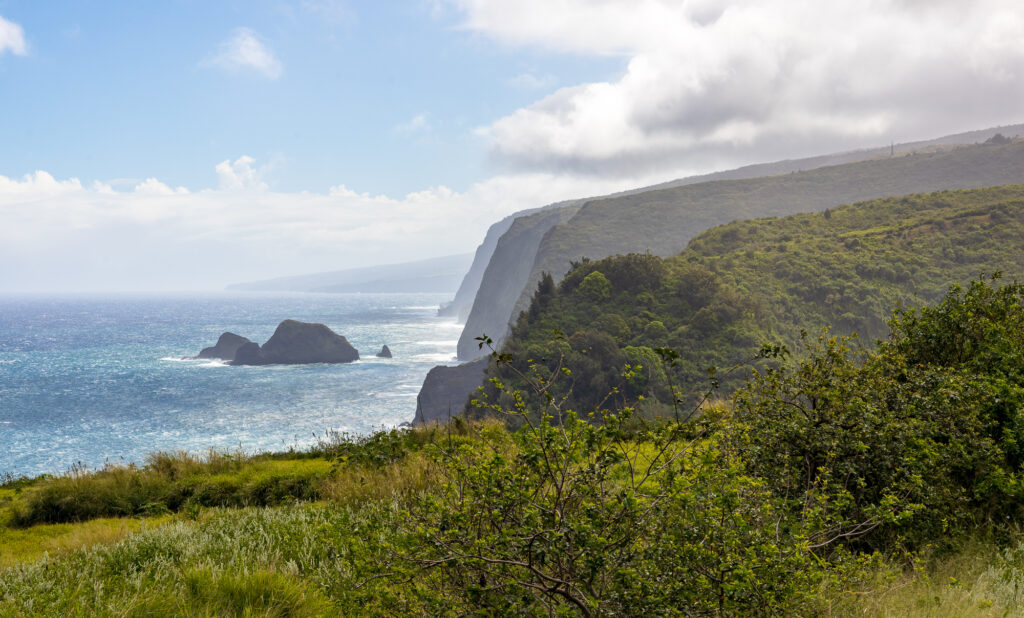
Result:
x=301 y=560
x=21 y=545
x=341 y=467
x=169 y=482
x=980 y=579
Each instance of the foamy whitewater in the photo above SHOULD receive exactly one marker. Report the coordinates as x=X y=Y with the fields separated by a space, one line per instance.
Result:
x=101 y=379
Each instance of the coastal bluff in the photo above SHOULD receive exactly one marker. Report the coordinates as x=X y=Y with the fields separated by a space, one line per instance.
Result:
x=446 y=391
x=293 y=343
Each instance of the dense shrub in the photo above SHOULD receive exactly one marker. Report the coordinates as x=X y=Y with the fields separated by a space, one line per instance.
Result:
x=916 y=440
x=586 y=518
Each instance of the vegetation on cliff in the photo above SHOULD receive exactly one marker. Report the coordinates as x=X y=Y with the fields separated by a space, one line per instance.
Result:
x=663 y=221
x=741 y=285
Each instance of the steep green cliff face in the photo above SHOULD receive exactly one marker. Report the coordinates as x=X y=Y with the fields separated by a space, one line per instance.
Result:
x=663 y=221
x=494 y=312
x=505 y=276
x=748 y=283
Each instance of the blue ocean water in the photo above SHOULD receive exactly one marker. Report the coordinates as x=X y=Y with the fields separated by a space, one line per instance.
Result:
x=97 y=379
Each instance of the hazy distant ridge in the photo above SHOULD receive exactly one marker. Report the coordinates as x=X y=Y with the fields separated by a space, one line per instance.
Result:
x=440 y=275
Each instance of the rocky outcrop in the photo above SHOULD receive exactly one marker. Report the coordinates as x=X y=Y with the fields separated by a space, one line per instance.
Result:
x=227 y=345
x=385 y=352
x=249 y=354
x=301 y=343
x=447 y=390
x=293 y=343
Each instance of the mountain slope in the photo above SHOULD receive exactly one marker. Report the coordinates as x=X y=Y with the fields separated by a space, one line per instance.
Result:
x=663 y=221
x=740 y=285
x=460 y=305
x=595 y=235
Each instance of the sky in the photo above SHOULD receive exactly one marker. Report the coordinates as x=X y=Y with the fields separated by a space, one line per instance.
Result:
x=190 y=144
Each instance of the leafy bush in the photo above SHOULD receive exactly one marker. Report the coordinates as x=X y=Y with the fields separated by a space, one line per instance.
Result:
x=606 y=518
x=595 y=287
x=919 y=439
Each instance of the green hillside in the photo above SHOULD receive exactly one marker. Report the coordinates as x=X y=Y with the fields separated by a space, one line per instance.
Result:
x=663 y=222
x=748 y=283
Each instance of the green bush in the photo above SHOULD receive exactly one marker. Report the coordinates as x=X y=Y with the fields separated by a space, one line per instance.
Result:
x=914 y=442
x=607 y=518
x=595 y=287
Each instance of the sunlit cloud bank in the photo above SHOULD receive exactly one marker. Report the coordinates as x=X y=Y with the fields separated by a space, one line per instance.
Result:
x=73 y=235
x=714 y=83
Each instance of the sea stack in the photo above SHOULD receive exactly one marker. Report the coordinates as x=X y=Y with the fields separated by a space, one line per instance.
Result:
x=227 y=345
x=298 y=343
x=249 y=354
x=293 y=343
x=385 y=352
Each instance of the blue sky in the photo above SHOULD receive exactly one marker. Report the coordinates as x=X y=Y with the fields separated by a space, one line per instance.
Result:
x=186 y=145
x=113 y=90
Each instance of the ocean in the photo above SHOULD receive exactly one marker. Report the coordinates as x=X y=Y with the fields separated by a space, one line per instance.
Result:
x=90 y=380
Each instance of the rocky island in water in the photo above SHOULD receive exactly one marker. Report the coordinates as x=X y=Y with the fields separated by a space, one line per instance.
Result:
x=293 y=343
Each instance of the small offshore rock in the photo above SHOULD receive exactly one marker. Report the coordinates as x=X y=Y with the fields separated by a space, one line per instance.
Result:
x=385 y=352
x=227 y=346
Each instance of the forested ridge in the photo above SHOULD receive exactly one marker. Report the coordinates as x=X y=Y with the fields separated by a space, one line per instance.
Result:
x=748 y=283
x=664 y=221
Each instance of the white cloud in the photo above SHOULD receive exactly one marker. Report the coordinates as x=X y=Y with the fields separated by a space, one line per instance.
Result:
x=64 y=235
x=416 y=124
x=711 y=83
x=149 y=186
x=12 y=38
x=39 y=183
x=245 y=51
x=240 y=175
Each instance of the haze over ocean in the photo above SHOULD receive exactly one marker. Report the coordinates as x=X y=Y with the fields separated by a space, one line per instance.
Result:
x=92 y=379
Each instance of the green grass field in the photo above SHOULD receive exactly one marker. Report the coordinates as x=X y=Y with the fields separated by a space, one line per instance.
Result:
x=319 y=557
